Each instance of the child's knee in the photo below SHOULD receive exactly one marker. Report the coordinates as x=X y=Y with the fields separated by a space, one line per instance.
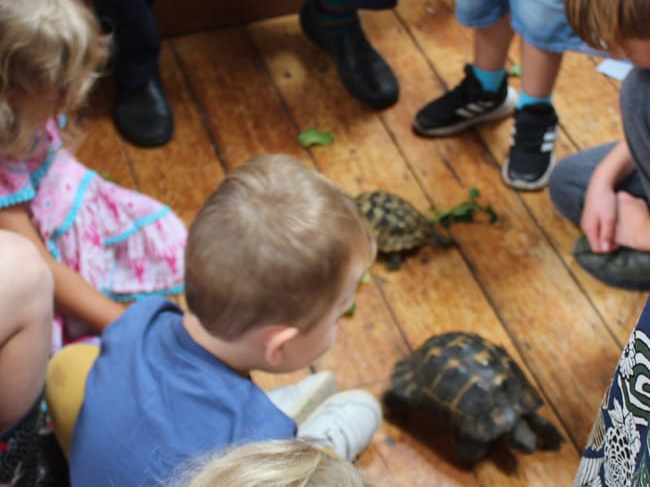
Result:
x=25 y=276
x=22 y=267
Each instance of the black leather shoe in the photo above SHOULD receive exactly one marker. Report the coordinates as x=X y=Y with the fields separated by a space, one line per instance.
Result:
x=143 y=116
x=363 y=72
x=624 y=268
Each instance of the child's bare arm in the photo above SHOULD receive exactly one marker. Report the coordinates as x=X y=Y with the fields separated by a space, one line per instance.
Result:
x=600 y=210
x=72 y=294
x=633 y=225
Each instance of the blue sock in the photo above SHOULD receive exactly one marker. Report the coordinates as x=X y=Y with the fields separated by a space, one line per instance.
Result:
x=526 y=99
x=490 y=80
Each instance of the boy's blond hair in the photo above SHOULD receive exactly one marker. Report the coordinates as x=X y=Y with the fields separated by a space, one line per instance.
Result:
x=277 y=463
x=604 y=24
x=272 y=245
x=49 y=50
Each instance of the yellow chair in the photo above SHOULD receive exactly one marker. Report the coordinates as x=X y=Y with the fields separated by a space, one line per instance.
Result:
x=64 y=388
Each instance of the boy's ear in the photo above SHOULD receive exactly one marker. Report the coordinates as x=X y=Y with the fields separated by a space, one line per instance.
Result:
x=278 y=337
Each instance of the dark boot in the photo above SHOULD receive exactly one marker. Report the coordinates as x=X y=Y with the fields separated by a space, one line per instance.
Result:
x=143 y=115
x=363 y=72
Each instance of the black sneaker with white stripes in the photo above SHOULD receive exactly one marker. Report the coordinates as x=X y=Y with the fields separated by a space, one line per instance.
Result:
x=532 y=147
x=464 y=106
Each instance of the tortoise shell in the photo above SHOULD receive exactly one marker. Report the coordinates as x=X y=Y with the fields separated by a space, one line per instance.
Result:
x=397 y=225
x=475 y=386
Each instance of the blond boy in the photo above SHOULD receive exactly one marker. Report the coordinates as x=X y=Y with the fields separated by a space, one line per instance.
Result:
x=273 y=260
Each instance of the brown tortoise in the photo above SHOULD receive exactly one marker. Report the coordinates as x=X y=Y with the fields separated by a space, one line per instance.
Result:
x=397 y=225
x=475 y=386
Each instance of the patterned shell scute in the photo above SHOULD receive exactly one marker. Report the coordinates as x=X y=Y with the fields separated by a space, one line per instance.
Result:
x=465 y=379
x=397 y=225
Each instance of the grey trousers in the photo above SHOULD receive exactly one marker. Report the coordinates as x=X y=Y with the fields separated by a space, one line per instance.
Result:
x=570 y=178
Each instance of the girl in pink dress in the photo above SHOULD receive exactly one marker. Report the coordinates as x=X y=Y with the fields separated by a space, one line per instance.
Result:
x=103 y=243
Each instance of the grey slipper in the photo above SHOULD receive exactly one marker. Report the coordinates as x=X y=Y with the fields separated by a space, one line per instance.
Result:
x=626 y=268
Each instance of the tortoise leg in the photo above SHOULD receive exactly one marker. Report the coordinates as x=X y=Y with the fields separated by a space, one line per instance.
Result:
x=522 y=437
x=548 y=437
x=394 y=261
x=468 y=451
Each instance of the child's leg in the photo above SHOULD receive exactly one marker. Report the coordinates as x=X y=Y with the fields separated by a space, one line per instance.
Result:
x=142 y=112
x=66 y=382
x=483 y=94
x=26 y=301
x=570 y=178
x=491 y=45
x=539 y=71
x=625 y=268
x=545 y=34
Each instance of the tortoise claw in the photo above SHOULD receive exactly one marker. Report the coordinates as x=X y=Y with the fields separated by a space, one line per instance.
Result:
x=394 y=261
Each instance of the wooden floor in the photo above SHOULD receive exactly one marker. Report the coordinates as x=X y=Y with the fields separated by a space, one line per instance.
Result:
x=246 y=90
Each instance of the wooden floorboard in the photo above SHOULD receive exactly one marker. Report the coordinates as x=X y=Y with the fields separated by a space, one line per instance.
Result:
x=245 y=90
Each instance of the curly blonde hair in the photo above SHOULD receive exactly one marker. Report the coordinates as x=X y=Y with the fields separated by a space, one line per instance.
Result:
x=275 y=463
x=273 y=244
x=605 y=24
x=49 y=52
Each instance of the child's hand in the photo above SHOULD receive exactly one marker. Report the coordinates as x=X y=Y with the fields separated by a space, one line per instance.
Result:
x=633 y=224
x=599 y=217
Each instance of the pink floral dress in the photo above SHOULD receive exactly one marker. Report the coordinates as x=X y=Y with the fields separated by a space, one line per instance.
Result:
x=125 y=244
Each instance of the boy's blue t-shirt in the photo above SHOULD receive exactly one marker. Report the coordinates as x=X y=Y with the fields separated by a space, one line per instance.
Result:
x=155 y=399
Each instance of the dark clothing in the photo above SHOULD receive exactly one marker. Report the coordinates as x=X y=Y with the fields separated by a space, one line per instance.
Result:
x=19 y=449
x=137 y=41
x=135 y=37
x=372 y=4
x=29 y=453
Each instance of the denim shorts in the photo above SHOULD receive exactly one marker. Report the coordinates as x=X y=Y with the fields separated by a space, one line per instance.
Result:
x=541 y=23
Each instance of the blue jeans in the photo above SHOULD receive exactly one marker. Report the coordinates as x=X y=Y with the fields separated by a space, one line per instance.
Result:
x=541 y=23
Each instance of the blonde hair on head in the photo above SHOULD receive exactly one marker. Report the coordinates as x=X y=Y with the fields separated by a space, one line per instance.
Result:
x=275 y=463
x=605 y=24
x=49 y=51
x=273 y=244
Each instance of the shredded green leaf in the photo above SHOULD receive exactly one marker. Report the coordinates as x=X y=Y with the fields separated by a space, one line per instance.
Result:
x=352 y=310
x=366 y=277
x=516 y=70
x=107 y=176
x=314 y=136
x=464 y=212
